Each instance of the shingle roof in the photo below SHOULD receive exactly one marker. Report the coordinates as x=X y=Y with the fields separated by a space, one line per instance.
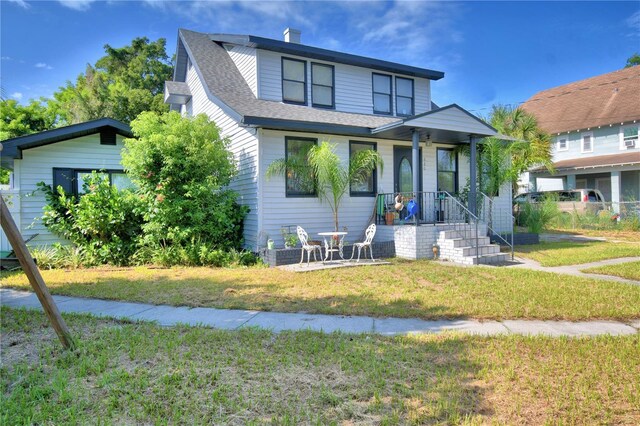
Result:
x=12 y=148
x=223 y=80
x=626 y=158
x=606 y=99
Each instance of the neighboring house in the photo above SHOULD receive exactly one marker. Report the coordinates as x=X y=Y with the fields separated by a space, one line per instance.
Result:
x=58 y=157
x=274 y=98
x=594 y=124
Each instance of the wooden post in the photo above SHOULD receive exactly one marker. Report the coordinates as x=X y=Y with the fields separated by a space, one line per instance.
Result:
x=35 y=279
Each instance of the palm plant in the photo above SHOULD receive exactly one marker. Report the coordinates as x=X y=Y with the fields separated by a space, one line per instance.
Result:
x=321 y=169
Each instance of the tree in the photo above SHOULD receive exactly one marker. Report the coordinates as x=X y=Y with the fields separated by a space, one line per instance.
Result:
x=323 y=169
x=181 y=166
x=633 y=60
x=121 y=85
x=19 y=120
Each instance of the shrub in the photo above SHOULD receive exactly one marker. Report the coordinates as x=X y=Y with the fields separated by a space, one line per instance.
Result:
x=181 y=165
x=105 y=222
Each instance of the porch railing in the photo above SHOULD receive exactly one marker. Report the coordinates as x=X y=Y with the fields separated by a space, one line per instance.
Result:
x=498 y=220
x=437 y=208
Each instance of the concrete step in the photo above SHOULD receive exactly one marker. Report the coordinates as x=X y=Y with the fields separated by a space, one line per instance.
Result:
x=461 y=233
x=487 y=259
x=462 y=242
x=482 y=250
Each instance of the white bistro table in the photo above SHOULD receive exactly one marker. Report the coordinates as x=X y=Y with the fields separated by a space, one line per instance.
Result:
x=330 y=245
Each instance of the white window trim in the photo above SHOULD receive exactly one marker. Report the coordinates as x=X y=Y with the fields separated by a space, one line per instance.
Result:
x=566 y=144
x=621 y=136
x=582 y=142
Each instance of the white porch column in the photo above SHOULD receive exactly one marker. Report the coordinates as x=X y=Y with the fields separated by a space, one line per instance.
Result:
x=571 y=182
x=473 y=175
x=615 y=191
x=415 y=157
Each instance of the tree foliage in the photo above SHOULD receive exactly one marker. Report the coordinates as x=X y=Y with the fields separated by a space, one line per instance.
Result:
x=121 y=84
x=323 y=170
x=20 y=120
x=104 y=223
x=633 y=60
x=180 y=166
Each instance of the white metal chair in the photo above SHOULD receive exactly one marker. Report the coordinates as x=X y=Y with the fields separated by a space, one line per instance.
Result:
x=369 y=234
x=309 y=248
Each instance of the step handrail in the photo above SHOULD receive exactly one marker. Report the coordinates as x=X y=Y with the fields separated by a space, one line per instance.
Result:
x=500 y=213
x=472 y=218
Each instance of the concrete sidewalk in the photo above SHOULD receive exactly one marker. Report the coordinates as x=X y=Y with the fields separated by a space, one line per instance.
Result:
x=275 y=321
x=576 y=270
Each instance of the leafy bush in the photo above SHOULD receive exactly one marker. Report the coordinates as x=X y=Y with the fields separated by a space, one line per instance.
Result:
x=104 y=222
x=180 y=166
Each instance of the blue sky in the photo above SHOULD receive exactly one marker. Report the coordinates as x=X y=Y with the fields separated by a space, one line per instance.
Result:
x=491 y=52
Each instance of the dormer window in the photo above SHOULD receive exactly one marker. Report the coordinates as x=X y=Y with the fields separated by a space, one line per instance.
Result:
x=629 y=136
x=562 y=144
x=587 y=142
x=381 y=94
x=322 y=85
x=404 y=96
x=294 y=81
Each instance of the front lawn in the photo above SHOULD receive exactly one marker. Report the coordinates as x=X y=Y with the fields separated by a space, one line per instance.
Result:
x=575 y=253
x=422 y=289
x=629 y=270
x=143 y=374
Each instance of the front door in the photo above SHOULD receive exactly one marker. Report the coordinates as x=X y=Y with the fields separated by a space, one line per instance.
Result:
x=403 y=169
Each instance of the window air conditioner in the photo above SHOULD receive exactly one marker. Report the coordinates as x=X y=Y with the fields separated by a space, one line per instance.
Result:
x=630 y=143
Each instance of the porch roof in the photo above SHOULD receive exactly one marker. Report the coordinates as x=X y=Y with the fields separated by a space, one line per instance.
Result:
x=449 y=124
x=613 y=160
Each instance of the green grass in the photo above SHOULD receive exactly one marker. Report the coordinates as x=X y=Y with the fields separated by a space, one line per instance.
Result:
x=422 y=289
x=629 y=270
x=141 y=374
x=575 y=253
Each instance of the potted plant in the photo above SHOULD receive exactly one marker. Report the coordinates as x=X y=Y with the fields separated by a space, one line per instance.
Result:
x=389 y=216
x=290 y=241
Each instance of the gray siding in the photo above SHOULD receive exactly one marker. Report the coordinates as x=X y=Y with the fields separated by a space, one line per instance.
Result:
x=244 y=146
x=277 y=210
x=353 y=91
x=246 y=60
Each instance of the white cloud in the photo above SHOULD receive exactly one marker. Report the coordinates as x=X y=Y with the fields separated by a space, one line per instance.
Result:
x=16 y=95
x=23 y=4
x=633 y=22
x=79 y=5
x=43 y=66
x=6 y=58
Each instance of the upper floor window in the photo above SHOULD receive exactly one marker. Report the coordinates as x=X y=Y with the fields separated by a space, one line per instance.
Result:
x=322 y=85
x=629 y=137
x=381 y=94
x=298 y=178
x=562 y=144
x=366 y=186
x=404 y=96
x=447 y=170
x=294 y=81
x=587 y=142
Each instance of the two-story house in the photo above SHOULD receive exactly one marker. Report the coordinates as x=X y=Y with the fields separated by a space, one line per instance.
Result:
x=594 y=124
x=275 y=98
